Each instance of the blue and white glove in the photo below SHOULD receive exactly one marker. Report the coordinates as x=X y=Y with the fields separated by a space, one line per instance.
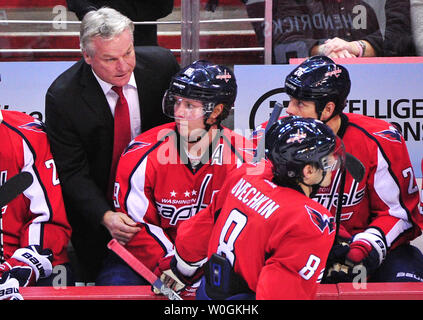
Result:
x=367 y=249
x=9 y=288
x=27 y=265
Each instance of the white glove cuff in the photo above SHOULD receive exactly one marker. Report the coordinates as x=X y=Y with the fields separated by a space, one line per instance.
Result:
x=188 y=269
x=10 y=290
x=374 y=237
x=41 y=266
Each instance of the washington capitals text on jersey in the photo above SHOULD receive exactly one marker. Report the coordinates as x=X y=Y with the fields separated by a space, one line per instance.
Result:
x=157 y=186
x=182 y=209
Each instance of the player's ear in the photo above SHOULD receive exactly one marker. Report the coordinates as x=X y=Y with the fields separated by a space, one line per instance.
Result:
x=328 y=110
x=215 y=114
x=308 y=172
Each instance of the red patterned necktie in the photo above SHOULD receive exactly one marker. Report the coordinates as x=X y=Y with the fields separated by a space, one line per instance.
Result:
x=122 y=134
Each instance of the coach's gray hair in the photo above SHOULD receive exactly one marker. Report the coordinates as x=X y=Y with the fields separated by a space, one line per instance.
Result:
x=105 y=23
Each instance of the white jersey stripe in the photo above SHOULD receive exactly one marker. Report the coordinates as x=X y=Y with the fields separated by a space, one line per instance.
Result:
x=38 y=204
x=137 y=204
x=387 y=189
x=389 y=192
x=400 y=227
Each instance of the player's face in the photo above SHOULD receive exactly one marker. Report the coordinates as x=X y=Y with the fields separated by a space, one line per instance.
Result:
x=188 y=109
x=302 y=108
x=114 y=59
x=189 y=117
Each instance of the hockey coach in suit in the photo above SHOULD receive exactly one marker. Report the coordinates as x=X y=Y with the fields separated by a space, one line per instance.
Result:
x=80 y=118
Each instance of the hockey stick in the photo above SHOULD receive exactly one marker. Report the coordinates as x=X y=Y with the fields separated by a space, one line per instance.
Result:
x=356 y=170
x=274 y=116
x=142 y=270
x=354 y=167
x=9 y=191
x=14 y=187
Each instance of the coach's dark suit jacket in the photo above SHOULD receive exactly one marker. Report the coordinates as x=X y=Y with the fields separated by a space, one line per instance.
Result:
x=80 y=128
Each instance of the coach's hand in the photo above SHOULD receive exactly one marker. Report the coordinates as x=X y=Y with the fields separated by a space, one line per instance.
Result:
x=120 y=226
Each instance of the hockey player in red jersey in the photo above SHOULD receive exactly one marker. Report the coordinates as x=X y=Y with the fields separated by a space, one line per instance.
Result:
x=168 y=174
x=34 y=231
x=262 y=236
x=380 y=214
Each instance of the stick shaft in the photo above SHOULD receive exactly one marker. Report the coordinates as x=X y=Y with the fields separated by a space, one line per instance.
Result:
x=277 y=109
x=141 y=269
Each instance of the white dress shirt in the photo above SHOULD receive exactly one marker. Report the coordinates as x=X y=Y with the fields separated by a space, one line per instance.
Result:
x=131 y=94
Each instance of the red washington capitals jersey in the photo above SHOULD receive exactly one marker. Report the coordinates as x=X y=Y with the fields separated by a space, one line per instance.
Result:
x=387 y=198
x=275 y=237
x=157 y=187
x=37 y=216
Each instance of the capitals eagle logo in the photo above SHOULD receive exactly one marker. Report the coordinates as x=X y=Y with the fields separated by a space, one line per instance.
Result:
x=134 y=145
x=321 y=221
x=36 y=126
x=392 y=134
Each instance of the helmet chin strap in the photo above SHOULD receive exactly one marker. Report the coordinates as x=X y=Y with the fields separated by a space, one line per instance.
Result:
x=207 y=128
x=319 y=111
x=315 y=186
x=198 y=139
x=320 y=106
x=328 y=119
